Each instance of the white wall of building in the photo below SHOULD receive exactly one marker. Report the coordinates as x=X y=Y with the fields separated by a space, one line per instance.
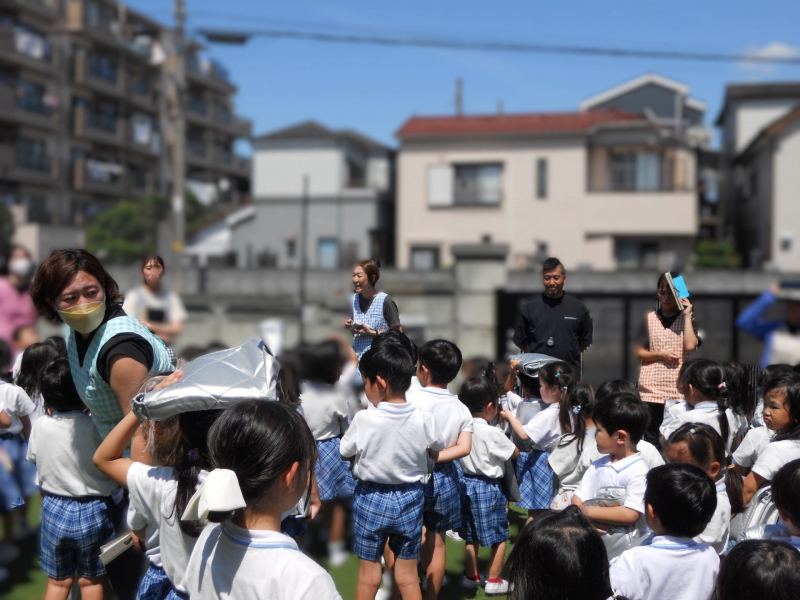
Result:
x=577 y=226
x=786 y=200
x=279 y=171
x=753 y=115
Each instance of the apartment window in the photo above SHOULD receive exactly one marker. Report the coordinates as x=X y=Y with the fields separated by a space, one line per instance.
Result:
x=197 y=104
x=36 y=210
x=632 y=254
x=328 y=253
x=103 y=115
x=30 y=97
x=101 y=17
x=32 y=154
x=424 y=259
x=355 y=174
x=103 y=66
x=28 y=41
x=478 y=184
x=196 y=144
x=541 y=178
x=224 y=114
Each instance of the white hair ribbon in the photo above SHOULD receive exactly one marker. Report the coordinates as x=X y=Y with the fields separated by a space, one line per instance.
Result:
x=220 y=492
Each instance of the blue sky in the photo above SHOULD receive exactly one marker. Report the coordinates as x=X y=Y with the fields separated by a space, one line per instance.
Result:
x=375 y=89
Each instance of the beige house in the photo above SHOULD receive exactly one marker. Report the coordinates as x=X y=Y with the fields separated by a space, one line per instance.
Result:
x=601 y=189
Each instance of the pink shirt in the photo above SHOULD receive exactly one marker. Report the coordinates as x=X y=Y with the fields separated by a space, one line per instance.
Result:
x=16 y=310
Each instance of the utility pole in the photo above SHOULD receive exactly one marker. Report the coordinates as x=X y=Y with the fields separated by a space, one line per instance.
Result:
x=303 y=256
x=459 y=97
x=179 y=147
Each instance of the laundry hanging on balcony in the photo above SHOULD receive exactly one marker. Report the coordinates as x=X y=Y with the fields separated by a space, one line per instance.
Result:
x=102 y=172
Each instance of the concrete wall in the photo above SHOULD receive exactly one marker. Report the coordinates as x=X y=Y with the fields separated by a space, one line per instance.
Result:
x=570 y=220
x=786 y=200
x=280 y=171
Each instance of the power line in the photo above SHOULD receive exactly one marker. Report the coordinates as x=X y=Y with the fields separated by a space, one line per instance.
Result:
x=491 y=46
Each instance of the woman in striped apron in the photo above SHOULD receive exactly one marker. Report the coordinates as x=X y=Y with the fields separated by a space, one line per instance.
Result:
x=670 y=341
x=373 y=311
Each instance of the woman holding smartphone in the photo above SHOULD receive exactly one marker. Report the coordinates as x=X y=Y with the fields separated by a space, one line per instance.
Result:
x=372 y=311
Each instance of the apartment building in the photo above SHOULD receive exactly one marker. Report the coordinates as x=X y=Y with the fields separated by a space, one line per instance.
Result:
x=84 y=106
x=611 y=186
x=760 y=155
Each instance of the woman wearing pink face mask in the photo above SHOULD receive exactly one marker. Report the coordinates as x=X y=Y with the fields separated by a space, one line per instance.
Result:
x=110 y=353
x=16 y=306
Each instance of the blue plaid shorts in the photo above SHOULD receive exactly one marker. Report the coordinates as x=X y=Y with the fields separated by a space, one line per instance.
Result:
x=294 y=527
x=483 y=511
x=176 y=595
x=388 y=511
x=442 y=509
x=73 y=529
x=535 y=479
x=155 y=584
x=334 y=479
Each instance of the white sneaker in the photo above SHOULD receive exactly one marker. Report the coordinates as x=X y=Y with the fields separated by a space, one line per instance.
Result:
x=470 y=584
x=8 y=554
x=383 y=594
x=496 y=588
x=338 y=558
x=453 y=535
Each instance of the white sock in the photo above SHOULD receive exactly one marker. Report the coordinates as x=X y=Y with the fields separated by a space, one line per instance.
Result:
x=334 y=547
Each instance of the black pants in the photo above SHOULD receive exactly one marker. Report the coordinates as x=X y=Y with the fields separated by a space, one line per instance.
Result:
x=125 y=571
x=652 y=434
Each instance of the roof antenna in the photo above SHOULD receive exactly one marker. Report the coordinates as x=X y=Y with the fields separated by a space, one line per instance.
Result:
x=459 y=97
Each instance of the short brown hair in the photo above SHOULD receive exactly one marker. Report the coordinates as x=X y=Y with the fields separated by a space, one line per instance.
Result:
x=156 y=258
x=60 y=268
x=371 y=270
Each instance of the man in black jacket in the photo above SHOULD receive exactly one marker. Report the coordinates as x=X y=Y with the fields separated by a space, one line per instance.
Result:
x=554 y=323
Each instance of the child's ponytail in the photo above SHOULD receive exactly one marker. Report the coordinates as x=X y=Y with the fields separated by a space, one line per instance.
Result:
x=741 y=390
x=581 y=402
x=562 y=375
x=707 y=377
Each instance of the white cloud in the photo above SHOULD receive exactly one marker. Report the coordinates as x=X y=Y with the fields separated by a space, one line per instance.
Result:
x=771 y=50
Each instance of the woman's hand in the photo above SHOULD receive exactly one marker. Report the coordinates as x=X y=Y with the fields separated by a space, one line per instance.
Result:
x=348 y=323
x=366 y=330
x=169 y=380
x=671 y=357
x=515 y=365
x=687 y=308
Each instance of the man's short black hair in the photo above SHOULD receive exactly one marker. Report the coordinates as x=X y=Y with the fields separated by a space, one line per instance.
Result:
x=390 y=360
x=625 y=412
x=552 y=263
x=786 y=490
x=57 y=388
x=683 y=498
x=443 y=360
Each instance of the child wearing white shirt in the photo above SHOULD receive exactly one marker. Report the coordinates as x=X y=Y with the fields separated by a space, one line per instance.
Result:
x=438 y=364
x=543 y=431
x=680 y=501
x=20 y=481
x=261 y=456
x=700 y=445
x=77 y=514
x=159 y=495
x=782 y=415
x=390 y=447
x=621 y=421
x=484 y=519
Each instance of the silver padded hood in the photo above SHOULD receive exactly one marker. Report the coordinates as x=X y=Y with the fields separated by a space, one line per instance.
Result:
x=215 y=382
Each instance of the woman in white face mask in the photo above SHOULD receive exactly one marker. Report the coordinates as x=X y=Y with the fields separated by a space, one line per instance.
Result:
x=16 y=306
x=110 y=353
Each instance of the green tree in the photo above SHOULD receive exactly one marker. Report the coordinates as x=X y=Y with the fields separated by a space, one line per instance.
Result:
x=717 y=254
x=121 y=234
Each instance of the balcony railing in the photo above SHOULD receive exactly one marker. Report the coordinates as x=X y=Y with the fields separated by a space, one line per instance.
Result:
x=197 y=105
x=197 y=148
x=32 y=160
x=24 y=41
x=104 y=68
x=104 y=121
x=208 y=68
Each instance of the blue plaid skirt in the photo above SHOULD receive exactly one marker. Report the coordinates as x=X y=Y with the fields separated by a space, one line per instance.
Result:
x=73 y=529
x=535 y=479
x=155 y=584
x=334 y=479
x=442 y=509
x=483 y=511
x=388 y=511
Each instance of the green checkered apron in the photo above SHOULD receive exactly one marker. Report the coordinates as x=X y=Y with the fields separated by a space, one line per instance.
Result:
x=96 y=393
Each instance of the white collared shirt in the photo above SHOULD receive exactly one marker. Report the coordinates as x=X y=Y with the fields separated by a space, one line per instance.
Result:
x=490 y=448
x=671 y=412
x=629 y=473
x=672 y=567
x=774 y=456
x=753 y=444
x=16 y=403
x=229 y=562
x=390 y=444
x=326 y=409
x=706 y=412
x=544 y=428
x=718 y=531
x=451 y=416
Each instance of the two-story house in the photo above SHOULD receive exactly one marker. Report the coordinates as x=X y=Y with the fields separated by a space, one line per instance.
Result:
x=610 y=186
x=342 y=180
